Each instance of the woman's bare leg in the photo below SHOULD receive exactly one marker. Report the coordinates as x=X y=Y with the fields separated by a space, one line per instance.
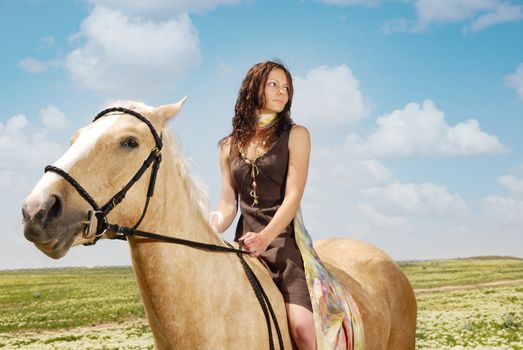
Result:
x=301 y=323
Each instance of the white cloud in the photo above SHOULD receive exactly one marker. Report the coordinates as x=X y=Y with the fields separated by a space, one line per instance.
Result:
x=329 y=97
x=398 y=25
x=422 y=130
x=162 y=7
x=443 y=11
x=515 y=80
x=25 y=148
x=366 y=201
x=505 y=12
x=13 y=125
x=504 y=211
x=371 y=216
x=427 y=215
x=518 y=170
x=53 y=118
x=478 y=14
x=32 y=65
x=511 y=182
x=398 y=199
x=132 y=55
x=350 y=172
x=337 y=164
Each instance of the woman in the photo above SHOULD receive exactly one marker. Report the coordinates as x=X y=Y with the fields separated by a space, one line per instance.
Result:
x=264 y=162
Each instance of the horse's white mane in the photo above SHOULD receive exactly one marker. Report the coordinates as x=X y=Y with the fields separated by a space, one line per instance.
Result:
x=197 y=191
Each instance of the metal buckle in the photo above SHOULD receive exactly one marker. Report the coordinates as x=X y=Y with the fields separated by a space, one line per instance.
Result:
x=91 y=224
x=157 y=152
x=115 y=234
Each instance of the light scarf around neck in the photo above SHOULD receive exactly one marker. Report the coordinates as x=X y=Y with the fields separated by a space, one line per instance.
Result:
x=263 y=120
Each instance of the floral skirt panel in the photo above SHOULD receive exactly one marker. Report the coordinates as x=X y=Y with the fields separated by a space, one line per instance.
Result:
x=336 y=316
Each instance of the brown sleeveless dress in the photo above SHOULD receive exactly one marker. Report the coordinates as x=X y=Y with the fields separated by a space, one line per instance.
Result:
x=282 y=256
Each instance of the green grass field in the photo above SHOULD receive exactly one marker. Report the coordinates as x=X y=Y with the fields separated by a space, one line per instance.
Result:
x=65 y=298
x=456 y=272
x=100 y=308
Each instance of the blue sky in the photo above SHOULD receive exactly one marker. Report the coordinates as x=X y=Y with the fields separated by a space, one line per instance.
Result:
x=415 y=108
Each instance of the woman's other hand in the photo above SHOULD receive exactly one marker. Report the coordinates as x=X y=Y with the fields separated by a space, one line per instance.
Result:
x=254 y=243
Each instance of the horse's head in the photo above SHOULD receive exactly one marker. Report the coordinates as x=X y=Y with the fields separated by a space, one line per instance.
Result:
x=102 y=158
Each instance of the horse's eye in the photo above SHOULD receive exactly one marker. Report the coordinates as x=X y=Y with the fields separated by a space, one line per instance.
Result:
x=130 y=142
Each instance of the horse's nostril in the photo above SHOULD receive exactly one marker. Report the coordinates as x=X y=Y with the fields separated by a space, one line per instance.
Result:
x=54 y=209
x=25 y=214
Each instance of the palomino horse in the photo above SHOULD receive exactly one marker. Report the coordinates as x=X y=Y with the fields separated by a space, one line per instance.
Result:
x=193 y=298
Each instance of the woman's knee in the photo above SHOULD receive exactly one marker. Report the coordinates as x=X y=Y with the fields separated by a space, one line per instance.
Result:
x=304 y=331
x=301 y=323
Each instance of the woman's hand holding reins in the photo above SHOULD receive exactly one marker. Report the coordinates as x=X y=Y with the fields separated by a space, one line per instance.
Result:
x=254 y=243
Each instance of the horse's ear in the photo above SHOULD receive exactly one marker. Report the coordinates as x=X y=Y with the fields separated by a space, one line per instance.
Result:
x=166 y=112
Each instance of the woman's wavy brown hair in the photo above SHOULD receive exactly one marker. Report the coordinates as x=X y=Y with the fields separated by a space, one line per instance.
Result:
x=251 y=97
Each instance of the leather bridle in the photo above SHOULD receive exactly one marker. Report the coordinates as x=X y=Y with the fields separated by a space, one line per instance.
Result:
x=95 y=231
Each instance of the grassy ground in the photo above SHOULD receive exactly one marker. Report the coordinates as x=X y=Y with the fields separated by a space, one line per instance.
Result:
x=457 y=272
x=65 y=298
x=127 y=335
x=100 y=308
x=480 y=318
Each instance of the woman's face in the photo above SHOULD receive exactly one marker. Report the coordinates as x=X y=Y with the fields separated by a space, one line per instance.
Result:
x=276 y=92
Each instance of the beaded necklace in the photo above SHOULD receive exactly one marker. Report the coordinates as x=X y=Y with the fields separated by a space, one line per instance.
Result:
x=262 y=121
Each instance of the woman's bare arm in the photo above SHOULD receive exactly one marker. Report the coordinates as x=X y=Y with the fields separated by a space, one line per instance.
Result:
x=228 y=203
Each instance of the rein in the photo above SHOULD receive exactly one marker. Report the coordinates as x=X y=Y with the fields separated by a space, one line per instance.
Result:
x=96 y=230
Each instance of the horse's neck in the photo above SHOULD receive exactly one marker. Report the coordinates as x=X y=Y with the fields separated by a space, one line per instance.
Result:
x=174 y=279
x=172 y=212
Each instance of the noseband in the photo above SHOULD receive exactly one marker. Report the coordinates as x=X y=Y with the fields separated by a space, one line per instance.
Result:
x=95 y=231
